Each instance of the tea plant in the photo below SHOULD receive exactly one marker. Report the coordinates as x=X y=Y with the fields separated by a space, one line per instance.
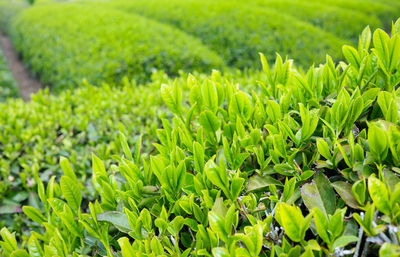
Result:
x=8 y=10
x=62 y=43
x=308 y=166
x=385 y=10
x=237 y=31
x=76 y=123
x=34 y=135
x=8 y=86
x=341 y=22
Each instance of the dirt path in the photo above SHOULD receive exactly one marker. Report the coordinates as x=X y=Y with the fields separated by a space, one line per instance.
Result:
x=27 y=84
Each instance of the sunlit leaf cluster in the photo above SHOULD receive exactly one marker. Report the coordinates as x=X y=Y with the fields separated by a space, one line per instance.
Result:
x=305 y=165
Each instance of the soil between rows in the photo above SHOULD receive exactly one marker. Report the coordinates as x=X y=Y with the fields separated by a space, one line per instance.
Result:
x=26 y=83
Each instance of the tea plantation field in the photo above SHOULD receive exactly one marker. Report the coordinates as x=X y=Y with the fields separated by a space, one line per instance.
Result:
x=200 y=128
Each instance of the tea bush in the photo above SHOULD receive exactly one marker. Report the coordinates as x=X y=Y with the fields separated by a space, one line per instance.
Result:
x=306 y=165
x=237 y=32
x=8 y=10
x=63 y=43
x=34 y=135
x=385 y=11
x=344 y=23
x=8 y=86
x=75 y=124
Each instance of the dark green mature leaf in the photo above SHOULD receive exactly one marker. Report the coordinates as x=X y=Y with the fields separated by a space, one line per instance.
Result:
x=258 y=182
x=319 y=194
x=118 y=219
x=10 y=207
x=345 y=192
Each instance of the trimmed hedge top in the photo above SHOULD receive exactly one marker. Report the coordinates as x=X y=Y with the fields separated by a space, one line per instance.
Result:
x=64 y=43
x=305 y=165
x=385 y=10
x=238 y=32
x=344 y=23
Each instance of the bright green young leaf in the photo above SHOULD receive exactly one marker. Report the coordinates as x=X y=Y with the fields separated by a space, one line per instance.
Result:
x=344 y=240
x=381 y=41
x=209 y=121
x=34 y=214
x=379 y=194
x=126 y=247
x=67 y=169
x=378 y=142
x=291 y=219
x=389 y=250
x=71 y=192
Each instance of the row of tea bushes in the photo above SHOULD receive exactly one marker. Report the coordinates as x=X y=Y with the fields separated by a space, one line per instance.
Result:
x=64 y=43
x=344 y=23
x=307 y=166
x=239 y=31
x=8 y=10
x=385 y=10
x=73 y=124
x=35 y=135
x=8 y=86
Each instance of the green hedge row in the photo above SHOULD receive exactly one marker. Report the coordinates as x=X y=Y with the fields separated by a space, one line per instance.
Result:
x=305 y=165
x=8 y=10
x=8 y=86
x=238 y=32
x=64 y=43
x=384 y=11
x=344 y=23
x=73 y=124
